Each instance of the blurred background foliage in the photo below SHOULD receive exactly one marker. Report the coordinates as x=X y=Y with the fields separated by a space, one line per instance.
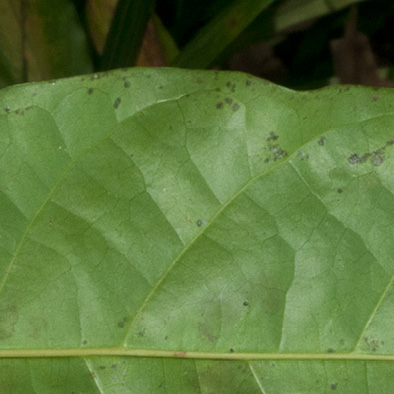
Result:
x=302 y=44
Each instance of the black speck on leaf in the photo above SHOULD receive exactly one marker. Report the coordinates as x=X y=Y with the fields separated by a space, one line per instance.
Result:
x=231 y=350
x=391 y=142
x=228 y=84
x=117 y=102
x=90 y=91
x=200 y=223
x=246 y=303
x=377 y=159
x=126 y=84
x=339 y=190
x=102 y=367
x=235 y=107
x=84 y=342
x=354 y=158
x=121 y=324
x=248 y=83
x=228 y=100
x=219 y=105
x=233 y=88
x=322 y=140
x=334 y=386
x=272 y=137
x=114 y=366
x=330 y=350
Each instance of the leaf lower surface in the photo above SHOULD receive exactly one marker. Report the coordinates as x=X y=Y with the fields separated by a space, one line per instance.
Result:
x=173 y=231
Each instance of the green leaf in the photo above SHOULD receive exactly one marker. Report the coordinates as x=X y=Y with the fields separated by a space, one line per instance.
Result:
x=170 y=231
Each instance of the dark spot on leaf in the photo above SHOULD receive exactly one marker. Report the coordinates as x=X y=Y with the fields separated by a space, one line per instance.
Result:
x=342 y=341
x=330 y=350
x=248 y=83
x=391 y=142
x=148 y=76
x=166 y=337
x=228 y=100
x=126 y=319
x=7 y=109
x=117 y=102
x=339 y=190
x=121 y=324
x=322 y=140
x=377 y=159
x=302 y=155
x=219 y=105
x=102 y=367
x=126 y=84
x=334 y=386
x=272 y=137
x=375 y=98
x=277 y=151
x=231 y=350
x=235 y=107
x=200 y=223
x=84 y=342
x=114 y=366
x=267 y=160
x=246 y=303
x=17 y=111
x=228 y=84
x=354 y=158
x=141 y=333
x=233 y=88
x=90 y=91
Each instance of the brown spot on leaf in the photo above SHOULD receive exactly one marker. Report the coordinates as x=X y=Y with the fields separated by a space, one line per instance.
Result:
x=180 y=354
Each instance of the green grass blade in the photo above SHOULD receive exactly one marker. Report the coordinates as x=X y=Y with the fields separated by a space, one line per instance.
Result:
x=126 y=33
x=214 y=38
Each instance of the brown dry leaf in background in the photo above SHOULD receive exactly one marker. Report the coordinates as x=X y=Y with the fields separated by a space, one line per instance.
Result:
x=353 y=58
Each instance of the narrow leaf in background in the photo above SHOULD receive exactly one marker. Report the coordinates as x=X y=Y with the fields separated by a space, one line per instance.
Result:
x=126 y=33
x=218 y=34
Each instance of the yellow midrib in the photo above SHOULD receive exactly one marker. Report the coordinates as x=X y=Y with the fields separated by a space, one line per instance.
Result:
x=121 y=352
